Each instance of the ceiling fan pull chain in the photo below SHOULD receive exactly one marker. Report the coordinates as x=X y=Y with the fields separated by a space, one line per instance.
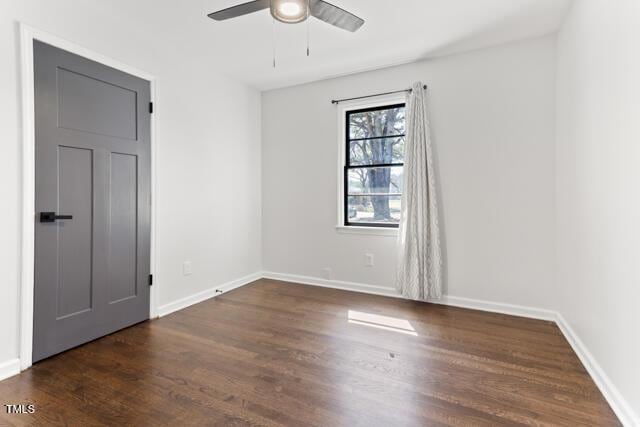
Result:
x=274 y=43
x=308 y=23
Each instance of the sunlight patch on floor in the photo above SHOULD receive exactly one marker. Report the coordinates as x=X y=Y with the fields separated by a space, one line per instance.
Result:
x=378 y=321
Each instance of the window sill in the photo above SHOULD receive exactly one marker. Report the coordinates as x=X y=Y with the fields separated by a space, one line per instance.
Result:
x=369 y=231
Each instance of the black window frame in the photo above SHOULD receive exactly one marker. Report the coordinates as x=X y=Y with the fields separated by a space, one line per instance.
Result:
x=348 y=166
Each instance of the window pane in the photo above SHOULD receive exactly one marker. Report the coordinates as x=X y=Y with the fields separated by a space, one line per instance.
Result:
x=376 y=151
x=371 y=124
x=373 y=209
x=375 y=180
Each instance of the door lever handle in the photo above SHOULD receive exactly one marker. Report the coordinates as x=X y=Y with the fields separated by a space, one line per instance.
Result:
x=52 y=217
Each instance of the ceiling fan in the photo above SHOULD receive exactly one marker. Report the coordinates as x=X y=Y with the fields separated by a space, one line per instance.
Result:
x=295 y=11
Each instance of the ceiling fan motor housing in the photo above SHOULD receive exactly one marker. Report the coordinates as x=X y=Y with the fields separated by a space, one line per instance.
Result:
x=290 y=11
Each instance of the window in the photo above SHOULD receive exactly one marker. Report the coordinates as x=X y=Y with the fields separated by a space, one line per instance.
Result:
x=373 y=165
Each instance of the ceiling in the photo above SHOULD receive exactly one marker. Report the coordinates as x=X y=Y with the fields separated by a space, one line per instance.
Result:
x=395 y=32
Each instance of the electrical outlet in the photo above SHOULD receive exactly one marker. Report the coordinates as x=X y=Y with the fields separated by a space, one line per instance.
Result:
x=187 y=268
x=327 y=273
x=368 y=260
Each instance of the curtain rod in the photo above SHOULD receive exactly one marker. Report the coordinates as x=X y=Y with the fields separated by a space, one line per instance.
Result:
x=337 y=101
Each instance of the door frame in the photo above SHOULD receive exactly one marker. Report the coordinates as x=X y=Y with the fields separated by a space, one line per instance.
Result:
x=27 y=35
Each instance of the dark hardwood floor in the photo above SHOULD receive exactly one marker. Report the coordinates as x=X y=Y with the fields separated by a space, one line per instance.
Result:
x=272 y=353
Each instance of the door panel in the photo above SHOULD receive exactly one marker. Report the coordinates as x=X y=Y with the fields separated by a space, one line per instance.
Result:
x=92 y=131
x=75 y=246
x=123 y=220
x=91 y=105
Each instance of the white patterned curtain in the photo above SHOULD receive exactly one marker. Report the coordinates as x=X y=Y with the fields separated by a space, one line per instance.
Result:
x=419 y=258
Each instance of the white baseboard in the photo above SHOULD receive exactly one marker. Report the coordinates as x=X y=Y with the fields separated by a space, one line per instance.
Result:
x=497 y=307
x=9 y=368
x=206 y=294
x=514 y=310
x=619 y=404
x=334 y=284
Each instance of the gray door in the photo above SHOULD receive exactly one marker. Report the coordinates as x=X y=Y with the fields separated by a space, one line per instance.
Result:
x=92 y=129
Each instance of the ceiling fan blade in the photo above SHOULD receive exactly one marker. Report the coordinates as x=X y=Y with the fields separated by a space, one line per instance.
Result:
x=335 y=16
x=239 y=10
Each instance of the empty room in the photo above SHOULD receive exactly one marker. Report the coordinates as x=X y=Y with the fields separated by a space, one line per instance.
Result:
x=320 y=213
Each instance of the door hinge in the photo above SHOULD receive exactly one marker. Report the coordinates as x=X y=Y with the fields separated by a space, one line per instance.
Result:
x=151 y=108
x=151 y=280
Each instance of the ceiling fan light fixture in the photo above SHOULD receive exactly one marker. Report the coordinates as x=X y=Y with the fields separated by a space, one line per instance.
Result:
x=289 y=11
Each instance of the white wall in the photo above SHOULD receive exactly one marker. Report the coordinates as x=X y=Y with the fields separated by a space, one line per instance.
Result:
x=492 y=113
x=209 y=208
x=598 y=185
